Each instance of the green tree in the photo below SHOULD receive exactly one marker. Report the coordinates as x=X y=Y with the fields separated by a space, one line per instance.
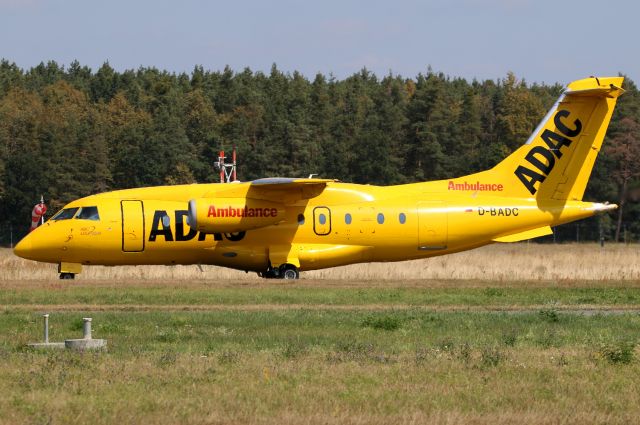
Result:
x=320 y=118
x=43 y=75
x=104 y=84
x=127 y=129
x=201 y=126
x=518 y=113
x=428 y=128
x=382 y=135
x=25 y=163
x=76 y=149
x=11 y=77
x=624 y=148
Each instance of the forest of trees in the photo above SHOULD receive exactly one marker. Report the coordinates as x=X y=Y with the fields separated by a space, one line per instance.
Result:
x=67 y=132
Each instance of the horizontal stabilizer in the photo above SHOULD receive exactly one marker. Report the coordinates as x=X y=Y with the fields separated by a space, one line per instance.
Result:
x=611 y=91
x=529 y=234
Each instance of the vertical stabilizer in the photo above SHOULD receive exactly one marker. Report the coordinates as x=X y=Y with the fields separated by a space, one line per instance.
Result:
x=556 y=161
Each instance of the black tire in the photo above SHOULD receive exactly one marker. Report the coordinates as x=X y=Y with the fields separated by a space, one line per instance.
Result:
x=67 y=276
x=289 y=271
x=271 y=273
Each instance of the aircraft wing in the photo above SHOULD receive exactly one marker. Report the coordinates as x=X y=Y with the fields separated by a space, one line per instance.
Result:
x=279 y=182
x=285 y=190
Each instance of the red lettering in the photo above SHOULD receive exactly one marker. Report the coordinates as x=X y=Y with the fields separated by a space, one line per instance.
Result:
x=243 y=212
x=477 y=186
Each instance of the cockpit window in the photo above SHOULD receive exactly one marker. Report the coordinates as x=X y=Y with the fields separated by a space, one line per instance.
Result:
x=65 y=214
x=89 y=213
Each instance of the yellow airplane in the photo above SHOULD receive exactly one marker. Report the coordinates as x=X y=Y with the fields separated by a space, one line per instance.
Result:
x=280 y=226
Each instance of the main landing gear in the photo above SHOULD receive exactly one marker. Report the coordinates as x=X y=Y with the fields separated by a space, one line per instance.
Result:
x=67 y=276
x=285 y=271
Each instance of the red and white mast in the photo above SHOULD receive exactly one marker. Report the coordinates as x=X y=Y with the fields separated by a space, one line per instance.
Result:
x=37 y=214
x=228 y=172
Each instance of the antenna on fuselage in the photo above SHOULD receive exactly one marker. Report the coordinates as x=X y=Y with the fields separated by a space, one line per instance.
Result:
x=227 y=169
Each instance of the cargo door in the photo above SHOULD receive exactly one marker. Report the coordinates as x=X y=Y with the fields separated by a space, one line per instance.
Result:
x=132 y=226
x=432 y=226
x=321 y=221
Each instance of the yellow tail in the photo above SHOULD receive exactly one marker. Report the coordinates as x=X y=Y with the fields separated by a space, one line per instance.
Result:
x=556 y=161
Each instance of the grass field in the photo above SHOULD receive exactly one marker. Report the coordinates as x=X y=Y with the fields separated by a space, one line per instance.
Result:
x=493 y=341
x=495 y=263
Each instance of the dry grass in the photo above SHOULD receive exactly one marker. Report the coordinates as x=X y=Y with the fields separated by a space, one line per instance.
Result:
x=497 y=263
x=525 y=387
x=224 y=347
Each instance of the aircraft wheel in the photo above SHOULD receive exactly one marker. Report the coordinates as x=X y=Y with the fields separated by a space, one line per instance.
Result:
x=67 y=276
x=289 y=271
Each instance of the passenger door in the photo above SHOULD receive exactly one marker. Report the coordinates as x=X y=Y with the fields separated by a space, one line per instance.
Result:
x=432 y=226
x=321 y=221
x=132 y=226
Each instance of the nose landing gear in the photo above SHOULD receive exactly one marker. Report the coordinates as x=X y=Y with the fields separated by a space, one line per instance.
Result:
x=68 y=271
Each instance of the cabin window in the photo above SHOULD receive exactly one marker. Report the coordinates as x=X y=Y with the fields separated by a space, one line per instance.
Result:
x=65 y=214
x=402 y=218
x=300 y=219
x=347 y=218
x=322 y=219
x=89 y=213
x=380 y=218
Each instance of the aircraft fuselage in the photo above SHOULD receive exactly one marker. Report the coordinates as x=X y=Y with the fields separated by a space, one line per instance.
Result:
x=346 y=224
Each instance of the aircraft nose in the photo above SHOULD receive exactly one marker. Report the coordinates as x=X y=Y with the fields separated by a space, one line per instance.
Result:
x=24 y=247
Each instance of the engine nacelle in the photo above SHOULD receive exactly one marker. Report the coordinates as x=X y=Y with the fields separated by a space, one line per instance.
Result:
x=229 y=215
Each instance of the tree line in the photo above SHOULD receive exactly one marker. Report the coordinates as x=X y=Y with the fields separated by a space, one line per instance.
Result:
x=67 y=132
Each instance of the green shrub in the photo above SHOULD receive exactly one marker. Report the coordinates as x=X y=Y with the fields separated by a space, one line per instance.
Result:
x=491 y=357
x=386 y=322
x=464 y=352
x=76 y=325
x=618 y=353
x=292 y=349
x=509 y=338
x=447 y=345
x=550 y=316
x=493 y=292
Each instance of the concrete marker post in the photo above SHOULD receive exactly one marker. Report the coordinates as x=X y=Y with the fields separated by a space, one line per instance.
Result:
x=46 y=328
x=86 y=328
x=46 y=344
x=86 y=342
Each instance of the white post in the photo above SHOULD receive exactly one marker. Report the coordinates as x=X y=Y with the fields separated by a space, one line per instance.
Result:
x=46 y=328
x=86 y=328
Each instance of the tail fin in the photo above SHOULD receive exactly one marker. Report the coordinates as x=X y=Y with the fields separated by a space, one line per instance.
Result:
x=556 y=161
